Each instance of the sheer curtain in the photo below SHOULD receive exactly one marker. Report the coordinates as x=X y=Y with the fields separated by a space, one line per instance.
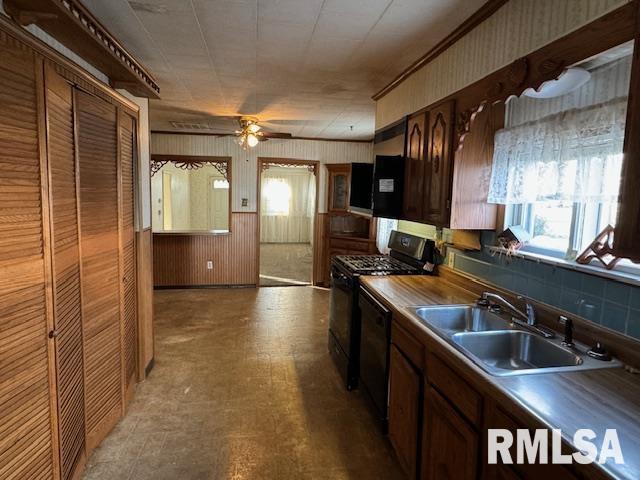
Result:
x=574 y=156
x=565 y=148
x=287 y=205
x=385 y=225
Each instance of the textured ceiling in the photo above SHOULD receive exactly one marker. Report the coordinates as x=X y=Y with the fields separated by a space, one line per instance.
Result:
x=307 y=67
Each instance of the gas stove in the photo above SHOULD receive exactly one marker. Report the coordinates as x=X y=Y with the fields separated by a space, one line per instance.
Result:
x=375 y=265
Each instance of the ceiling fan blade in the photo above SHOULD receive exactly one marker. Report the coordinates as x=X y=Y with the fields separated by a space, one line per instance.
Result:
x=275 y=135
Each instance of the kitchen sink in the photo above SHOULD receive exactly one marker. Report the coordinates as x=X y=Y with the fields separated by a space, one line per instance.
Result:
x=502 y=347
x=451 y=319
x=508 y=352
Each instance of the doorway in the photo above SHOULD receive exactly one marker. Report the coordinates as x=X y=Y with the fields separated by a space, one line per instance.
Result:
x=287 y=208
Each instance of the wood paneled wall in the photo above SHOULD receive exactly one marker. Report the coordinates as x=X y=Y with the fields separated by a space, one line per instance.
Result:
x=181 y=260
x=144 y=246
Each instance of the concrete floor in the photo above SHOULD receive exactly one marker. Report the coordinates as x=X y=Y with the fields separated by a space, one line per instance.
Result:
x=243 y=388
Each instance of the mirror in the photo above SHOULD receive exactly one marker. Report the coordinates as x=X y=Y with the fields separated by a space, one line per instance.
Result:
x=190 y=194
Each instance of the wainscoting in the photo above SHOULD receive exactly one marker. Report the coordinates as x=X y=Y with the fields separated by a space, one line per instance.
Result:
x=181 y=260
x=144 y=245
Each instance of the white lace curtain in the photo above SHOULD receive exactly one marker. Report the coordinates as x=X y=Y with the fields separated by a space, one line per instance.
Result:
x=574 y=155
x=385 y=225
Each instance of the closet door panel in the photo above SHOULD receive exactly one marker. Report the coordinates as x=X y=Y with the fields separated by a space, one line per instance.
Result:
x=66 y=273
x=99 y=243
x=127 y=149
x=26 y=445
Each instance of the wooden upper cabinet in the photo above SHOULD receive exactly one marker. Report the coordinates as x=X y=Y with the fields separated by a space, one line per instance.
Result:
x=404 y=408
x=472 y=172
x=439 y=165
x=339 y=186
x=413 y=198
x=450 y=445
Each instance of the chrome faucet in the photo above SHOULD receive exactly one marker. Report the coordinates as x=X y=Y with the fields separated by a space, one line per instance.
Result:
x=527 y=318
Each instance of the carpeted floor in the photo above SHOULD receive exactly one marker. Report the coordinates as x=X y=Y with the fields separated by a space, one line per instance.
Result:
x=285 y=264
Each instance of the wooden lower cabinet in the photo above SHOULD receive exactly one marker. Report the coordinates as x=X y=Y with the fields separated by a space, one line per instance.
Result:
x=405 y=390
x=450 y=446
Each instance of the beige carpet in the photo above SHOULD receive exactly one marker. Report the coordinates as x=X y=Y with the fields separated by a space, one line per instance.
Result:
x=285 y=264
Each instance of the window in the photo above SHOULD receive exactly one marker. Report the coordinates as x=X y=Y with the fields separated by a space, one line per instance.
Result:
x=276 y=196
x=557 y=163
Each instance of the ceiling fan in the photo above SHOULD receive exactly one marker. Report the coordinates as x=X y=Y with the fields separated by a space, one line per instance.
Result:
x=251 y=133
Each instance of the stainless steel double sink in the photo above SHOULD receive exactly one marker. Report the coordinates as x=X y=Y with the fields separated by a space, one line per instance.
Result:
x=499 y=346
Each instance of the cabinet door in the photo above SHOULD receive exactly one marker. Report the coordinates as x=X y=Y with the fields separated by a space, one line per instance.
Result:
x=626 y=241
x=66 y=273
x=339 y=185
x=449 y=444
x=127 y=151
x=439 y=166
x=404 y=408
x=26 y=450
x=99 y=243
x=414 y=168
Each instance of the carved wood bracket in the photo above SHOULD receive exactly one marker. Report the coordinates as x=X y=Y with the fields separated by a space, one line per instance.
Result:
x=601 y=249
x=221 y=166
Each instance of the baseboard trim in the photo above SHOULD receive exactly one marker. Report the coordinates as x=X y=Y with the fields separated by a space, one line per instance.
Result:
x=186 y=287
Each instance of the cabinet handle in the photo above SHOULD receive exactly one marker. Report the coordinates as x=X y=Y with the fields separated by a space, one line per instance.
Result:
x=53 y=334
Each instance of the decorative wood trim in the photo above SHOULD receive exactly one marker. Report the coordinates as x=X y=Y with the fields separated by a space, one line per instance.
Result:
x=212 y=134
x=313 y=166
x=465 y=27
x=191 y=162
x=74 y=25
x=65 y=67
x=545 y=64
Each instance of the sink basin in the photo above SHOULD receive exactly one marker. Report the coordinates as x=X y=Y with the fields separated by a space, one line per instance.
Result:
x=515 y=352
x=451 y=319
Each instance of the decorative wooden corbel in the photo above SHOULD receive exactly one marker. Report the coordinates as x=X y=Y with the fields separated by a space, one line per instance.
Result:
x=601 y=249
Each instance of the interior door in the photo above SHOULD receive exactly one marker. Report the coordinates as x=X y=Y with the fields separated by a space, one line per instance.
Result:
x=99 y=243
x=414 y=168
x=65 y=249
x=25 y=410
x=127 y=150
x=439 y=166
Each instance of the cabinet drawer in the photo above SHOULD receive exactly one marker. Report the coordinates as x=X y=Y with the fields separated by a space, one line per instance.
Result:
x=408 y=345
x=457 y=391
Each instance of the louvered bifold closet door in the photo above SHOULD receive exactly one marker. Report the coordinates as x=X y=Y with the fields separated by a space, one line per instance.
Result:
x=99 y=244
x=127 y=139
x=25 y=410
x=66 y=273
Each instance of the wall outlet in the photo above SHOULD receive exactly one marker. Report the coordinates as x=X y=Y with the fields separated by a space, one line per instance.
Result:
x=209 y=265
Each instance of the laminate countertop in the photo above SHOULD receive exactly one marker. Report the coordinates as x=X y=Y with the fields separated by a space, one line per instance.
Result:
x=593 y=399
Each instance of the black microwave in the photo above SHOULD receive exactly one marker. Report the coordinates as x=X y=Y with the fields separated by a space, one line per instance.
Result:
x=388 y=183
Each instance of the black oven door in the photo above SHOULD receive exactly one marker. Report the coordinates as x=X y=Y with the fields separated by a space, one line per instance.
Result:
x=341 y=310
x=374 y=351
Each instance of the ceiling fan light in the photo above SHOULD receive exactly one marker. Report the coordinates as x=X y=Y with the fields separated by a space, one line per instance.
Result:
x=252 y=140
x=253 y=128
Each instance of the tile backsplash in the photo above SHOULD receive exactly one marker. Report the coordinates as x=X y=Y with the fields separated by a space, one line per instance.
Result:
x=604 y=301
